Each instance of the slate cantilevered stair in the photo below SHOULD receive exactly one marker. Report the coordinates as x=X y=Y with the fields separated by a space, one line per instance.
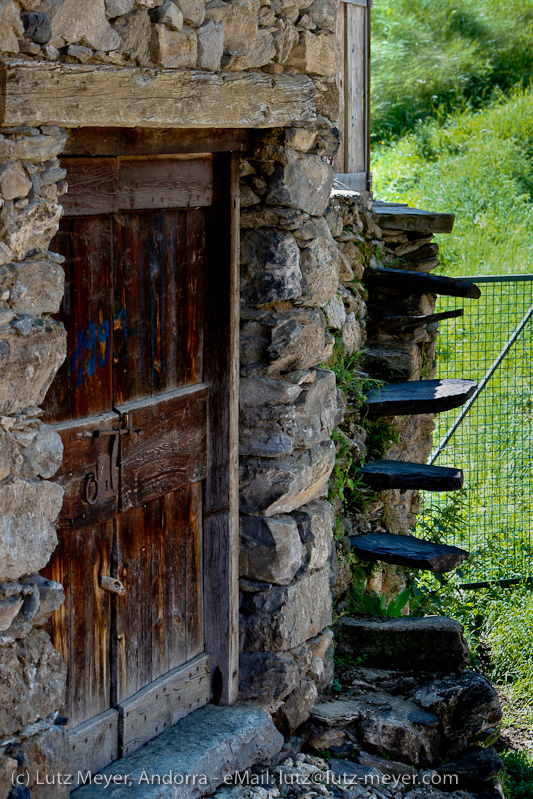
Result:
x=406 y=550
x=419 y=396
x=409 y=282
x=395 y=324
x=399 y=216
x=384 y=474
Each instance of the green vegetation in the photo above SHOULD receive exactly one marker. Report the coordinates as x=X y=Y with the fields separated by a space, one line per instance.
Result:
x=453 y=131
x=478 y=165
x=518 y=779
x=345 y=483
x=436 y=56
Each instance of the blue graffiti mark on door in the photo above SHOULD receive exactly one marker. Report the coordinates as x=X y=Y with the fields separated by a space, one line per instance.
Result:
x=96 y=342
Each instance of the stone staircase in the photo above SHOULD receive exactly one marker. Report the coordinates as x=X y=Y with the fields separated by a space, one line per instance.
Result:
x=413 y=397
x=409 y=707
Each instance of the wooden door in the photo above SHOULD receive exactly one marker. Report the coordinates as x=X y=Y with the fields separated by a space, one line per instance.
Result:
x=131 y=405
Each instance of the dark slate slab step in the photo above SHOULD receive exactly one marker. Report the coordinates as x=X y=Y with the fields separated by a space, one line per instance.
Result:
x=430 y=643
x=419 y=396
x=400 y=217
x=406 y=550
x=391 y=324
x=410 y=282
x=381 y=475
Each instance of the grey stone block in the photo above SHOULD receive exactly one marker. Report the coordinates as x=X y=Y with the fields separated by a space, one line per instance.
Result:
x=27 y=535
x=305 y=184
x=321 y=265
x=273 y=486
x=268 y=677
x=270 y=267
x=286 y=616
x=211 y=46
x=465 y=705
x=33 y=682
x=31 y=352
x=315 y=524
x=270 y=550
x=198 y=752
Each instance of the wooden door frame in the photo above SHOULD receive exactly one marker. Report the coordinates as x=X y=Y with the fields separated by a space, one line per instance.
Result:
x=221 y=371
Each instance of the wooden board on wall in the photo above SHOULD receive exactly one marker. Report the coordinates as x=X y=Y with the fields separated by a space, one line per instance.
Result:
x=93 y=745
x=163 y=703
x=340 y=36
x=108 y=185
x=352 y=33
x=221 y=521
x=355 y=84
x=100 y=142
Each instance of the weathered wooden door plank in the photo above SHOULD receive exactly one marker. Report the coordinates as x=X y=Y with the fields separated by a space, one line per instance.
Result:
x=134 y=141
x=355 y=83
x=163 y=703
x=108 y=185
x=171 y=450
x=93 y=744
x=82 y=451
x=155 y=566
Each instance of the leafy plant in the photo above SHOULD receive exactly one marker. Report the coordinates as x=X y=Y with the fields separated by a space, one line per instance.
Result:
x=373 y=604
x=376 y=605
x=345 y=482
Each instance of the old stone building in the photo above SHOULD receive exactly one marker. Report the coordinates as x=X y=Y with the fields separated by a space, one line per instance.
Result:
x=176 y=272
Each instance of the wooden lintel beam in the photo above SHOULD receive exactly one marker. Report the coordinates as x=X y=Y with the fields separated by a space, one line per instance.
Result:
x=81 y=95
x=114 y=141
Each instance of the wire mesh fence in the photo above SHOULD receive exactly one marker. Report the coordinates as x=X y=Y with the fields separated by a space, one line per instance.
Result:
x=491 y=438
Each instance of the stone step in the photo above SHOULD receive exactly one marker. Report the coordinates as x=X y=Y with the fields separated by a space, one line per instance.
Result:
x=198 y=753
x=406 y=550
x=393 y=324
x=409 y=282
x=392 y=725
x=430 y=643
x=419 y=396
x=385 y=474
x=397 y=216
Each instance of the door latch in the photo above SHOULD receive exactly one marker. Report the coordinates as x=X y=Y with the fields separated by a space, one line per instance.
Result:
x=104 y=483
x=112 y=585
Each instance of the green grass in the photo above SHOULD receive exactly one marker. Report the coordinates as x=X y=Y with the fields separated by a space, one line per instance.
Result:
x=518 y=779
x=478 y=165
x=435 y=56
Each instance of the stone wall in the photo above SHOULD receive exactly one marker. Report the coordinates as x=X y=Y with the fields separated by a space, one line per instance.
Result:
x=302 y=259
x=32 y=347
x=287 y=521
x=302 y=262
x=275 y=35
x=290 y=271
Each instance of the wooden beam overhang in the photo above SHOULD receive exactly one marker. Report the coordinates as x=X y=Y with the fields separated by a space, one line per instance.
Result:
x=80 y=95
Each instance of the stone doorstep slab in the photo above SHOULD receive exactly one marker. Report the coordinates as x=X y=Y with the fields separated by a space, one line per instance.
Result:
x=193 y=757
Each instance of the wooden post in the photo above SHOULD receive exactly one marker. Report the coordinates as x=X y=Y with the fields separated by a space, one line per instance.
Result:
x=352 y=165
x=221 y=524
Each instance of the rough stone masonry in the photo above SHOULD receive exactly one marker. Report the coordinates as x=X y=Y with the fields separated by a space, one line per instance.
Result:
x=301 y=261
x=286 y=525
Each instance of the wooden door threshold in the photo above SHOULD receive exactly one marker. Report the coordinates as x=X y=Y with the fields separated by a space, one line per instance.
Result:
x=192 y=758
